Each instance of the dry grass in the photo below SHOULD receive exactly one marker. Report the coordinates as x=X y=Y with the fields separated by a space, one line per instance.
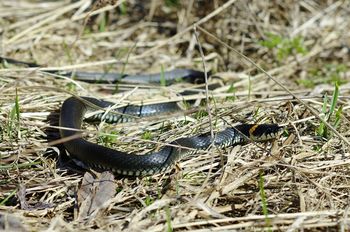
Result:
x=306 y=178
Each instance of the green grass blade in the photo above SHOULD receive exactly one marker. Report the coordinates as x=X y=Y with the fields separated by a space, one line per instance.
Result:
x=162 y=76
x=17 y=106
x=14 y=116
x=168 y=219
x=334 y=100
x=263 y=199
x=12 y=193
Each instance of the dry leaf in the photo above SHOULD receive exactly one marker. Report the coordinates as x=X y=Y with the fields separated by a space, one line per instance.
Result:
x=11 y=223
x=94 y=194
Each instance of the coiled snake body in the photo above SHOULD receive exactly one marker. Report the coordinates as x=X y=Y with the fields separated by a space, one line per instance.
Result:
x=97 y=156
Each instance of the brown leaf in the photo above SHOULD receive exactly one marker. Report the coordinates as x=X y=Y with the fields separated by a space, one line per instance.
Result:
x=21 y=196
x=94 y=194
x=11 y=223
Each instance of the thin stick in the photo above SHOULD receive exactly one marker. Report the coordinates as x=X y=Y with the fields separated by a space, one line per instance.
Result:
x=206 y=82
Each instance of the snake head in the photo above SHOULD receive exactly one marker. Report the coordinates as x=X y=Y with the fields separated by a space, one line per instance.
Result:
x=264 y=132
x=196 y=77
x=259 y=132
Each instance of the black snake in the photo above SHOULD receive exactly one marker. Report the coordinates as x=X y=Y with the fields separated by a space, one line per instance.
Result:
x=100 y=157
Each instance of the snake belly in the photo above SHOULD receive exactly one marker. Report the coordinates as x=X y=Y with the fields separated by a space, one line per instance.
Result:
x=104 y=158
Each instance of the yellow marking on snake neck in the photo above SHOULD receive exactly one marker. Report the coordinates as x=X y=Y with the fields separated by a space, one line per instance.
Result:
x=251 y=130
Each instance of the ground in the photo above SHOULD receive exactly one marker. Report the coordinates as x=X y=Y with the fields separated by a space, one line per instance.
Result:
x=284 y=62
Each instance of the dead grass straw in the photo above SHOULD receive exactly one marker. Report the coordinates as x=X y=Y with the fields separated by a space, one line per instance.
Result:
x=293 y=53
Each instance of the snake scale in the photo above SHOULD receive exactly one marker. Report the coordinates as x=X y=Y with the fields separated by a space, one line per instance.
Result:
x=104 y=158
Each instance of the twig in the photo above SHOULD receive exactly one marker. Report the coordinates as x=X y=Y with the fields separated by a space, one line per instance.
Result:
x=206 y=82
